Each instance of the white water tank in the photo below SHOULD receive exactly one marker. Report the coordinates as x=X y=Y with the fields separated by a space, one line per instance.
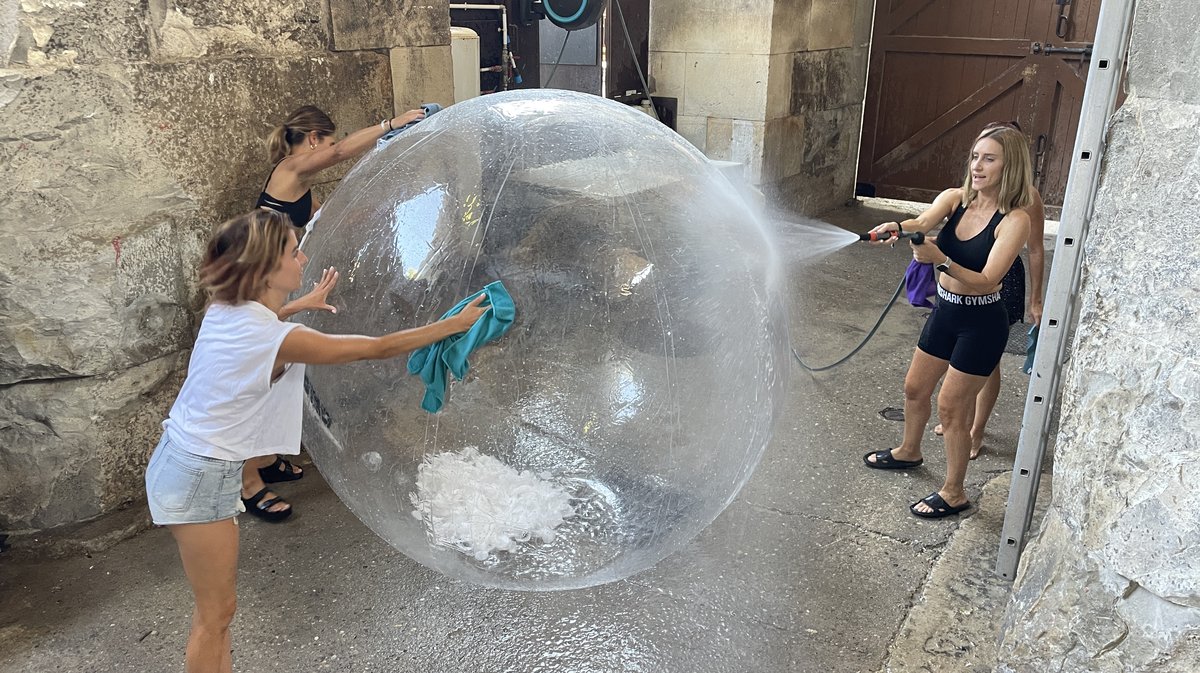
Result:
x=464 y=54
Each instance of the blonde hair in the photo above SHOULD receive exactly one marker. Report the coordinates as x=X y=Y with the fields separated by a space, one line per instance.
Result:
x=300 y=123
x=1015 y=178
x=241 y=254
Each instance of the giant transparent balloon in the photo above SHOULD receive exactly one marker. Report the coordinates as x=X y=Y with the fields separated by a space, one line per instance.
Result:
x=637 y=388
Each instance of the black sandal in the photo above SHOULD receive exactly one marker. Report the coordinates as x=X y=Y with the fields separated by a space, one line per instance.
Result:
x=941 y=509
x=884 y=460
x=280 y=470
x=260 y=508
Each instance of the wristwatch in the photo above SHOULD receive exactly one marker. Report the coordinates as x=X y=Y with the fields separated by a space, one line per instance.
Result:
x=945 y=266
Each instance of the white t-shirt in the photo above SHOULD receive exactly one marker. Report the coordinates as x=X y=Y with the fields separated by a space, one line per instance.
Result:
x=228 y=407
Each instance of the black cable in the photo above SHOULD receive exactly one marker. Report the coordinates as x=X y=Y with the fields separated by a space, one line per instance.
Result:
x=557 y=60
x=890 y=304
x=636 y=63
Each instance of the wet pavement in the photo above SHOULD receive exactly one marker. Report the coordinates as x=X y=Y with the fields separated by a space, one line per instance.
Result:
x=816 y=566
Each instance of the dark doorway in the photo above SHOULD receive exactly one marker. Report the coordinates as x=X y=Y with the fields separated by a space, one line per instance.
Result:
x=941 y=69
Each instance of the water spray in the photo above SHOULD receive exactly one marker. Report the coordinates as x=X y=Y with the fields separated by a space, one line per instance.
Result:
x=917 y=238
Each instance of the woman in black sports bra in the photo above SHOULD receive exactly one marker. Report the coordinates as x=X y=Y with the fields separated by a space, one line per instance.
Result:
x=1013 y=294
x=965 y=336
x=302 y=147
x=299 y=149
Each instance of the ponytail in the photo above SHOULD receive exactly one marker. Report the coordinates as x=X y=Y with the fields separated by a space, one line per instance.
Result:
x=277 y=144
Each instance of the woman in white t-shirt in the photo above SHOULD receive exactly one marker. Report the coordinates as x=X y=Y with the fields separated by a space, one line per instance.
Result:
x=243 y=398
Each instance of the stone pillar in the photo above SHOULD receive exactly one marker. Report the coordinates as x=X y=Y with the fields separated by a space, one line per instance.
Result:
x=1112 y=580
x=127 y=131
x=776 y=85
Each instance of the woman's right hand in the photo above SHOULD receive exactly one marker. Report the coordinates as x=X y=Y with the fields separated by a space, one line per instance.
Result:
x=469 y=315
x=407 y=118
x=891 y=227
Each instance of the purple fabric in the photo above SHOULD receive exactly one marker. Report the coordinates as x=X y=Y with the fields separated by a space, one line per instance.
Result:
x=920 y=284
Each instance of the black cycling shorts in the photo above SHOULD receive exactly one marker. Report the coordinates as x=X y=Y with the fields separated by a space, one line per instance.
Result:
x=970 y=331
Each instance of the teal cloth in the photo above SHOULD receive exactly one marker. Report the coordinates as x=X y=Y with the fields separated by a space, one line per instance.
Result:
x=1031 y=340
x=432 y=361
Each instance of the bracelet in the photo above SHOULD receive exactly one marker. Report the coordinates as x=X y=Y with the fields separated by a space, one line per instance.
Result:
x=385 y=125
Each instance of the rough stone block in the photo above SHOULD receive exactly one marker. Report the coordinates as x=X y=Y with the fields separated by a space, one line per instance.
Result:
x=223 y=164
x=827 y=163
x=731 y=86
x=746 y=147
x=384 y=24
x=1165 y=51
x=790 y=26
x=59 y=34
x=1146 y=176
x=864 y=21
x=808 y=75
x=710 y=27
x=779 y=86
x=421 y=75
x=1111 y=582
x=217 y=28
x=719 y=139
x=1070 y=614
x=78 y=448
x=831 y=26
x=93 y=234
x=667 y=73
x=783 y=155
x=694 y=130
x=825 y=80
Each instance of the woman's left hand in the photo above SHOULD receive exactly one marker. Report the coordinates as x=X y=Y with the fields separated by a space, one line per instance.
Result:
x=927 y=253
x=318 y=298
x=1035 y=312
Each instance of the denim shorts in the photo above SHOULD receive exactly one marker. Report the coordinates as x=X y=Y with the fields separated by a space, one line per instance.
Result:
x=183 y=487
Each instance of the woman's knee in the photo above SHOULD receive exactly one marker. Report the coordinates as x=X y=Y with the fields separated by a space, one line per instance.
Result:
x=917 y=391
x=955 y=410
x=216 y=615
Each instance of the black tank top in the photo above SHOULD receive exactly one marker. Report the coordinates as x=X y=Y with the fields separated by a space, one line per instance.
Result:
x=298 y=211
x=973 y=253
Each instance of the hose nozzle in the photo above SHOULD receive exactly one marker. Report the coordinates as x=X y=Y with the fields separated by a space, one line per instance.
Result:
x=914 y=236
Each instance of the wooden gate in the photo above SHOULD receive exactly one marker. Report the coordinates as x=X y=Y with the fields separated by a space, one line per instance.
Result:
x=942 y=69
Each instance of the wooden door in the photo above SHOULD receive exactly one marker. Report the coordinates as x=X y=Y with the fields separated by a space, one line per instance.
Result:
x=940 y=70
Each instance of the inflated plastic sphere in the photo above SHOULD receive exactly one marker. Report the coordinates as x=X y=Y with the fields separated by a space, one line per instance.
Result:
x=633 y=394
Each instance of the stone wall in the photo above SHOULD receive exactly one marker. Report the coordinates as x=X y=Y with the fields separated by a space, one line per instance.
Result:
x=776 y=85
x=127 y=131
x=1112 y=580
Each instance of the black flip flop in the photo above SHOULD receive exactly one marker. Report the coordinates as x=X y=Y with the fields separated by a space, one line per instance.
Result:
x=885 y=461
x=280 y=470
x=255 y=505
x=941 y=509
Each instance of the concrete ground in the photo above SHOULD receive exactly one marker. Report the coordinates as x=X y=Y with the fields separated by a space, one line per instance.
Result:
x=816 y=566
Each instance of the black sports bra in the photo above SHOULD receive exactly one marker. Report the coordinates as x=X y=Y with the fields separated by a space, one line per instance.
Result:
x=972 y=253
x=298 y=211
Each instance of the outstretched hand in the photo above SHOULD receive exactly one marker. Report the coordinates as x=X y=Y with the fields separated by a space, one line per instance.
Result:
x=408 y=118
x=470 y=314
x=318 y=298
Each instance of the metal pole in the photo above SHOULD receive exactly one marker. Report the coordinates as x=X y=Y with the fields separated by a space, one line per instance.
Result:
x=1099 y=100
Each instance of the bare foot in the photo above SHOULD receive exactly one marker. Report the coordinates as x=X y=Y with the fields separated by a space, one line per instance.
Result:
x=976 y=442
x=976 y=446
